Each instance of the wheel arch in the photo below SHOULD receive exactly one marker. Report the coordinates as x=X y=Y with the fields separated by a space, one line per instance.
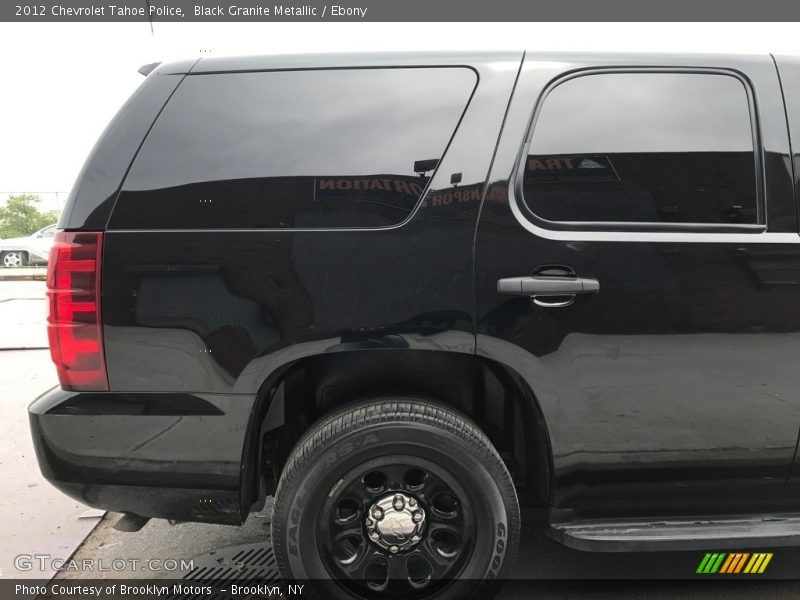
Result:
x=299 y=393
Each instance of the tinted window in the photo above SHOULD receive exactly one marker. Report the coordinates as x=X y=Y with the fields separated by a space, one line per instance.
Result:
x=790 y=80
x=644 y=147
x=294 y=149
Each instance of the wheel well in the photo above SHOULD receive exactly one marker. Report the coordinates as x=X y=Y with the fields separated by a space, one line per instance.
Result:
x=495 y=397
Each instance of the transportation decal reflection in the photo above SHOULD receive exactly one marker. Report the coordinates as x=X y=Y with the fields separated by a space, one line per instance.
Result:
x=654 y=187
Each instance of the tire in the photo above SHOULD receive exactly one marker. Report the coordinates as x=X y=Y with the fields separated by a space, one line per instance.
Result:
x=393 y=454
x=14 y=258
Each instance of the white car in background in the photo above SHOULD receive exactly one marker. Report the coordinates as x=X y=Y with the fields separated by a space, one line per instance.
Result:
x=33 y=249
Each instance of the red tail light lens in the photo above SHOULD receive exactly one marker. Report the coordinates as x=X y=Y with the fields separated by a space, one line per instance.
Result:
x=74 y=327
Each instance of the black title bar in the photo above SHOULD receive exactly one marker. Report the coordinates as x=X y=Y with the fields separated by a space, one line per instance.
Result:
x=402 y=10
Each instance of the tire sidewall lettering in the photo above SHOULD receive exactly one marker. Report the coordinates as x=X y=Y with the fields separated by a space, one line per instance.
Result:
x=496 y=562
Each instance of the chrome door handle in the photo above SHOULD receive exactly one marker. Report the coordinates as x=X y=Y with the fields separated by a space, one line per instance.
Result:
x=548 y=286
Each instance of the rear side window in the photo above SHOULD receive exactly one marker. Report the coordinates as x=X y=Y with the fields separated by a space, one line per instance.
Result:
x=636 y=147
x=294 y=149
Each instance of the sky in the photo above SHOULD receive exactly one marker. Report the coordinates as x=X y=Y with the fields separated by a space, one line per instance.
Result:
x=63 y=82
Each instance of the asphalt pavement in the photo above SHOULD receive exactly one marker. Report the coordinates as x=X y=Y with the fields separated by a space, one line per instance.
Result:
x=23 y=310
x=36 y=516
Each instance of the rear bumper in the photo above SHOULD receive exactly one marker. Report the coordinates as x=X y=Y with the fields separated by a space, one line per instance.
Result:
x=175 y=456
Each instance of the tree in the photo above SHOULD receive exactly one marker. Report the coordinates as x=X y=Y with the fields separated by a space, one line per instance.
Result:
x=21 y=216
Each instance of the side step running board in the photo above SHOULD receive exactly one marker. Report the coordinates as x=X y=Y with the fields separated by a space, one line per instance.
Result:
x=765 y=531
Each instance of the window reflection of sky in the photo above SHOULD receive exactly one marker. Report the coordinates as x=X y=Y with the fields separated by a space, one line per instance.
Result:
x=644 y=112
x=301 y=123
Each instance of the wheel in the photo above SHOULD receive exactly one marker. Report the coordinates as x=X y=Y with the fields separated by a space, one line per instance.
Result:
x=14 y=258
x=395 y=498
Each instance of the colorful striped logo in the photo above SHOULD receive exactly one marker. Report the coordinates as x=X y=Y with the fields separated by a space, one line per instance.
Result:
x=734 y=563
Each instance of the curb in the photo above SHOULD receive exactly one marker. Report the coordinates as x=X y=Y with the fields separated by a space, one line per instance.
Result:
x=23 y=276
x=23 y=348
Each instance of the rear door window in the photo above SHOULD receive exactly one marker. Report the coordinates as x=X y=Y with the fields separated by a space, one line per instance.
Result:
x=657 y=147
x=294 y=149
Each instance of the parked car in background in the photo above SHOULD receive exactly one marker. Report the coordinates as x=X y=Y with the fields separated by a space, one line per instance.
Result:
x=32 y=249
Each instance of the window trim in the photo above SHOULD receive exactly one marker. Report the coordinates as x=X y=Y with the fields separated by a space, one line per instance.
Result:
x=581 y=230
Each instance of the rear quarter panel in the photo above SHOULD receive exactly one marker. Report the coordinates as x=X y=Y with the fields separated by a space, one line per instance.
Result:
x=211 y=310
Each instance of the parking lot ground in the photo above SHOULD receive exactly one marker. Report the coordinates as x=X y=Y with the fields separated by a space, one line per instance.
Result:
x=23 y=273
x=23 y=310
x=36 y=518
x=143 y=554
x=544 y=568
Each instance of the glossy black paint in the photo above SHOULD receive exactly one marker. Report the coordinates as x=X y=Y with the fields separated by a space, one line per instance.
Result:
x=205 y=311
x=181 y=451
x=298 y=293
x=789 y=72
x=672 y=391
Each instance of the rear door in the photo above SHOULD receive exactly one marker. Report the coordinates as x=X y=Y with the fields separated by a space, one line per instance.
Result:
x=789 y=68
x=642 y=226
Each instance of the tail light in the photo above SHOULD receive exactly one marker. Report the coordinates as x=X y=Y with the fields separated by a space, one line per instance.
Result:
x=74 y=327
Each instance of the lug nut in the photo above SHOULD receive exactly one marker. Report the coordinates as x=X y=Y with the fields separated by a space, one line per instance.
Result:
x=417 y=516
x=415 y=539
x=393 y=549
x=377 y=513
x=370 y=522
x=412 y=502
x=375 y=535
x=398 y=503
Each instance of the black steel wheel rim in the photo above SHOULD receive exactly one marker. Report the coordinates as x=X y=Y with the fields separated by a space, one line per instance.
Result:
x=391 y=564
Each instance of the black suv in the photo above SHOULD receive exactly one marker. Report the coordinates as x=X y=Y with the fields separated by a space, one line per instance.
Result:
x=408 y=294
